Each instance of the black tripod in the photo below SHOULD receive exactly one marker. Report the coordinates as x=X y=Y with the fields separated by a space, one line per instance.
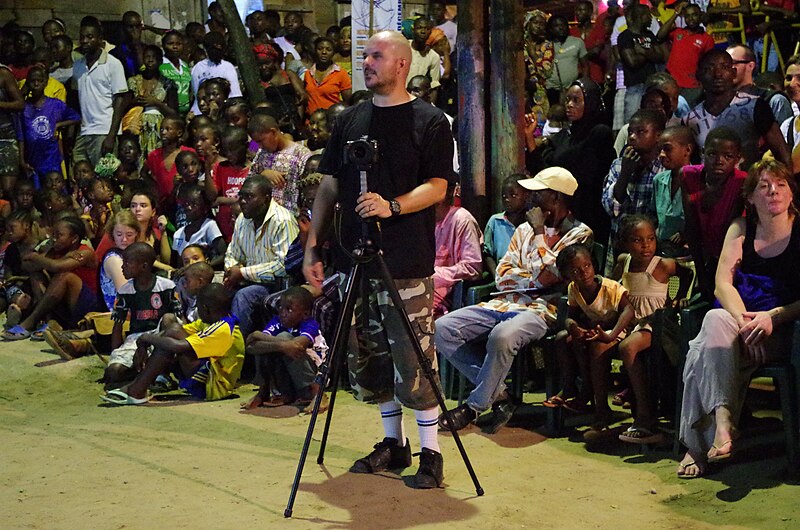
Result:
x=331 y=370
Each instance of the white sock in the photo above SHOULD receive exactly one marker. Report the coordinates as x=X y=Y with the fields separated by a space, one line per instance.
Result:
x=392 y=418
x=428 y=425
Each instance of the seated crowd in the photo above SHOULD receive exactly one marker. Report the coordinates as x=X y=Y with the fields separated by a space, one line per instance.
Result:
x=152 y=216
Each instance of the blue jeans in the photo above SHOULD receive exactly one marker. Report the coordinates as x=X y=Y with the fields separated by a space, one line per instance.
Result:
x=247 y=301
x=633 y=100
x=460 y=337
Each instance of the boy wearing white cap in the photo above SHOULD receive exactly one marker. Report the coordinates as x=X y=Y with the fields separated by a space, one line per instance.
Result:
x=524 y=310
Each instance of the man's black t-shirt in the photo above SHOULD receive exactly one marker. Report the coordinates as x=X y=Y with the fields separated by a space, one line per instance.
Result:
x=415 y=144
x=629 y=39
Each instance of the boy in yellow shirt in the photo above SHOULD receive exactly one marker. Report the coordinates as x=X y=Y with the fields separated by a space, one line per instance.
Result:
x=208 y=357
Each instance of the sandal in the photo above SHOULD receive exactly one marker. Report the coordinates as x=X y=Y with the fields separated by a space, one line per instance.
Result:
x=38 y=335
x=622 y=399
x=641 y=435
x=577 y=405
x=554 y=402
x=717 y=457
x=597 y=433
x=682 y=470
x=16 y=333
x=276 y=401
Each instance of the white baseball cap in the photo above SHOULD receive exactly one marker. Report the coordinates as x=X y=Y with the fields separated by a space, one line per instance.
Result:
x=553 y=178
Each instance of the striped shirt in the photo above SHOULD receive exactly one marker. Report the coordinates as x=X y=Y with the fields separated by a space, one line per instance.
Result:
x=528 y=256
x=261 y=252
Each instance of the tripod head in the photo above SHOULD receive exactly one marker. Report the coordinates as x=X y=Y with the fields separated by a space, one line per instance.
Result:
x=363 y=155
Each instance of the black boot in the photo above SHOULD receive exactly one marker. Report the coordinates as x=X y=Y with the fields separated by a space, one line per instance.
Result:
x=431 y=470
x=387 y=455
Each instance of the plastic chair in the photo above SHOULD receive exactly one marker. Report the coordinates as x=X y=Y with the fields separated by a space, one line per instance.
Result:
x=785 y=375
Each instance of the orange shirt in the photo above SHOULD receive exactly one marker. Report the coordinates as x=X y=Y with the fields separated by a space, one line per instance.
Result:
x=323 y=95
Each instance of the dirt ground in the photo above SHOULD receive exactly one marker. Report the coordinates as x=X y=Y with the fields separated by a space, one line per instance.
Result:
x=69 y=461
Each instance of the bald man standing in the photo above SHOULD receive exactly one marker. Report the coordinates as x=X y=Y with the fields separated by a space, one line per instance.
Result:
x=413 y=167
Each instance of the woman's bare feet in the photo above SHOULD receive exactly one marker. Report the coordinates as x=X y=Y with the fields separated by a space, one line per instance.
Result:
x=691 y=467
x=722 y=447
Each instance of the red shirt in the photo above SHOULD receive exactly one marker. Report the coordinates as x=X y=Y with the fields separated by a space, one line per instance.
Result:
x=20 y=73
x=165 y=178
x=323 y=95
x=228 y=179
x=88 y=275
x=715 y=222
x=687 y=48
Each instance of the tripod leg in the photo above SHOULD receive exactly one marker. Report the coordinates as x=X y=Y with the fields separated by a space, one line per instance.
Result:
x=337 y=351
x=425 y=364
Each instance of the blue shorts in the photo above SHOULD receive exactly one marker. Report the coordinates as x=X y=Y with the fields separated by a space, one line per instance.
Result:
x=195 y=384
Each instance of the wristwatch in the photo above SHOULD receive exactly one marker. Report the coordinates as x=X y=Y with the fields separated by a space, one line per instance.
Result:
x=394 y=206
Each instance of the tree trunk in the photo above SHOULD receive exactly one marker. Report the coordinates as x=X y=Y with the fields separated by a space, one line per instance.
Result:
x=507 y=104
x=242 y=49
x=472 y=46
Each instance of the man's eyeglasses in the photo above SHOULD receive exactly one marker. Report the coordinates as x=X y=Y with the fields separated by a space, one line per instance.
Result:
x=743 y=61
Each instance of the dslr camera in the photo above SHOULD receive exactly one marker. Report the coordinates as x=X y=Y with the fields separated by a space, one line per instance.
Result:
x=362 y=153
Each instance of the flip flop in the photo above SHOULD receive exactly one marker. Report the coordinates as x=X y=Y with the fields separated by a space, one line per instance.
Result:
x=721 y=457
x=118 y=397
x=276 y=401
x=641 y=435
x=16 y=333
x=682 y=470
x=554 y=402
x=577 y=406
x=38 y=335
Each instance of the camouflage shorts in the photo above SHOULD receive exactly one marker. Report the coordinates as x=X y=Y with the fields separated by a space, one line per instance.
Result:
x=381 y=361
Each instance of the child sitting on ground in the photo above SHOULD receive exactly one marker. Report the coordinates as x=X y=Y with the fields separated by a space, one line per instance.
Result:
x=17 y=300
x=599 y=314
x=71 y=290
x=712 y=199
x=646 y=277
x=676 y=146
x=195 y=277
x=208 y=353
x=501 y=226
x=146 y=298
x=289 y=351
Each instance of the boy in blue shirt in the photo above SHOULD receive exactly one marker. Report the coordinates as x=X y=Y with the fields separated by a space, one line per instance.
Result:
x=289 y=351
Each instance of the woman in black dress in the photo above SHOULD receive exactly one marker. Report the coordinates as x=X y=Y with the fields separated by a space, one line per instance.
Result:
x=586 y=149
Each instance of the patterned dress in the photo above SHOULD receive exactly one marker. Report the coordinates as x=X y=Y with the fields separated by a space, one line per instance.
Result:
x=290 y=161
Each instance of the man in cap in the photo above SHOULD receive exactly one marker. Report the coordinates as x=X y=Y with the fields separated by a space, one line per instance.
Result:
x=524 y=311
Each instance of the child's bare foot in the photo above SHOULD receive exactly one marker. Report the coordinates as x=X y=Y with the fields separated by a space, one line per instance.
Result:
x=691 y=467
x=13 y=316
